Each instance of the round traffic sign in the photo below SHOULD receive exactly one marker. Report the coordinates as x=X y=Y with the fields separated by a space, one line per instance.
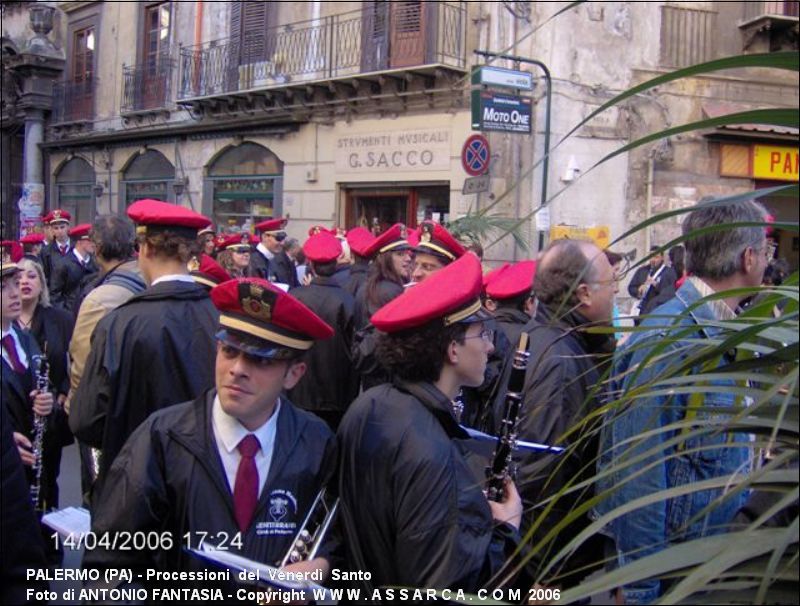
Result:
x=475 y=155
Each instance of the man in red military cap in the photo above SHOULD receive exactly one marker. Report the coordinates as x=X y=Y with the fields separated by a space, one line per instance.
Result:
x=32 y=245
x=510 y=291
x=239 y=466
x=330 y=383
x=436 y=249
x=270 y=260
x=425 y=521
x=359 y=239
x=57 y=221
x=76 y=269
x=157 y=348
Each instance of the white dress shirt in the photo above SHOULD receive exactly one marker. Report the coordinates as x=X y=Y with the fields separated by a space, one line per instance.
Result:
x=265 y=251
x=229 y=432
x=174 y=278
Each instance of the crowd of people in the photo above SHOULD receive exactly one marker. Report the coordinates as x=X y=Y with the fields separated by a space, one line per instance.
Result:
x=216 y=383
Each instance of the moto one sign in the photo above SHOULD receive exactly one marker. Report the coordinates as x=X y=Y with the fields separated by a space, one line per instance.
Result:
x=504 y=113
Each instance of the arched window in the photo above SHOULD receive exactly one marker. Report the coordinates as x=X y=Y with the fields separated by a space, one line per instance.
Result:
x=148 y=175
x=245 y=184
x=74 y=190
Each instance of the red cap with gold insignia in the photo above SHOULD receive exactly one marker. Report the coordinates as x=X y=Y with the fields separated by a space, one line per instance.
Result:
x=154 y=216
x=450 y=295
x=271 y=226
x=512 y=281
x=15 y=251
x=32 y=239
x=318 y=229
x=234 y=242
x=262 y=320
x=360 y=239
x=80 y=232
x=489 y=276
x=207 y=272
x=413 y=238
x=322 y=248
x=57 y=216
x=394 y=238
x=436 y=240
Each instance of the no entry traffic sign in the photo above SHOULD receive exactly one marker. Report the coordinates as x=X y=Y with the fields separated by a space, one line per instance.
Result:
x=475 y=155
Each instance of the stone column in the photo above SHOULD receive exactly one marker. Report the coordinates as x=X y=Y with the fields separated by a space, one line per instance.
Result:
x=34 y=136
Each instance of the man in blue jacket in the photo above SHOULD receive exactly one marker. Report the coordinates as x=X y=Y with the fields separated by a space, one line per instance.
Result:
x=639 y=465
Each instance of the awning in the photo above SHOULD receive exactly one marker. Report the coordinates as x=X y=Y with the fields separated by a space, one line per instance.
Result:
x=715 y=109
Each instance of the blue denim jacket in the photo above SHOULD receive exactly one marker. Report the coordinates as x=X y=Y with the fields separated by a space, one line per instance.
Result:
x=649 y=529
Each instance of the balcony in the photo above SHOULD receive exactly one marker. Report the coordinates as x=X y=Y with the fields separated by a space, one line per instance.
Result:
x=770 y=25
x=73 y=102
x=412 y=45
x=146 y=89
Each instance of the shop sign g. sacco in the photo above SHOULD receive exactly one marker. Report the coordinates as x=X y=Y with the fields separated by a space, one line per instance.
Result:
x=375 y=153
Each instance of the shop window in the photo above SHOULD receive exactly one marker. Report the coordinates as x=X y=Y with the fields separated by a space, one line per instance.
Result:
x=148 y=175
x=245 y=185
x=74 y=190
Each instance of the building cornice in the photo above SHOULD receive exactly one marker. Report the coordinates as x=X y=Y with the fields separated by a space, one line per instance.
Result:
x=73 y=5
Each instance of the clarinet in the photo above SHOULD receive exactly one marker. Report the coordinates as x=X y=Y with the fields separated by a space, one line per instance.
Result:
x=41 y=373
x=500 y=469
x=313 y=531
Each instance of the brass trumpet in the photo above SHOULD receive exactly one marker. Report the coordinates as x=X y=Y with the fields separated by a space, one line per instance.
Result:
x=312 y=533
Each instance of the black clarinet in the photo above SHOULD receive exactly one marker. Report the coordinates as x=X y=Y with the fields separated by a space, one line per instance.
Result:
x=500 y=469
x=41 y=373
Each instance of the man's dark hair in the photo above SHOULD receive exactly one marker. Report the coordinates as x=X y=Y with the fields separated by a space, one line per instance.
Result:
x=419 y=354
x=324 y=269
x=113 y=237
x=677 y=257
x=564 y=265
x=717 y=254
x=517 y=302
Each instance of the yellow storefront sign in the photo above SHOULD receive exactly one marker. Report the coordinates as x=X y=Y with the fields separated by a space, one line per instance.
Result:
x=773 y=162
x=599 y=235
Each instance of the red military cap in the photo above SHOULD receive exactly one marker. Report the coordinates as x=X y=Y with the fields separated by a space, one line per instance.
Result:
x=34 y=238
x=80 y=232
x=234 y=242
x=512 y=281
x=318 y=229
x=360 y=239
x=488 y=277
x=15 y=251
x=394 y=238
x=153 y=216
x=207 y=272
x=436 y=240
x=57 y=216
x=271 y=226
x=451 y=294
x=413 y=238
x=262 y=320
x=322 y=248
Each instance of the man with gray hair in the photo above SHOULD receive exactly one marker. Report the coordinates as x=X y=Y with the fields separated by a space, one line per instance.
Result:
x=639 y=454
x=119 y=280
x=575 y=287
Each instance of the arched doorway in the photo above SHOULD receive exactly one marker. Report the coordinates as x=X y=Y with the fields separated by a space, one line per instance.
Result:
x=243 y=186
x=75 y=190
x=148 y=175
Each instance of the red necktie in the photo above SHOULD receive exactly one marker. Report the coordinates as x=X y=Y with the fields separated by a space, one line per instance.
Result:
x=11 y=350
x=245 y=490
x=63 y=249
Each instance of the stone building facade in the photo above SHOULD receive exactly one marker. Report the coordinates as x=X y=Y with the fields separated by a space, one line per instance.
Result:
x=347 y=113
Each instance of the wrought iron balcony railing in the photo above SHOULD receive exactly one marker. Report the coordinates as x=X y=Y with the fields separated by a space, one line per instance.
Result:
x=394 y=35
x=73 y=101
x=147 y=87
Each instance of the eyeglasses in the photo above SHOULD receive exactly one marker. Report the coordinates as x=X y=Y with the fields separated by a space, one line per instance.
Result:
x=487 y=334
